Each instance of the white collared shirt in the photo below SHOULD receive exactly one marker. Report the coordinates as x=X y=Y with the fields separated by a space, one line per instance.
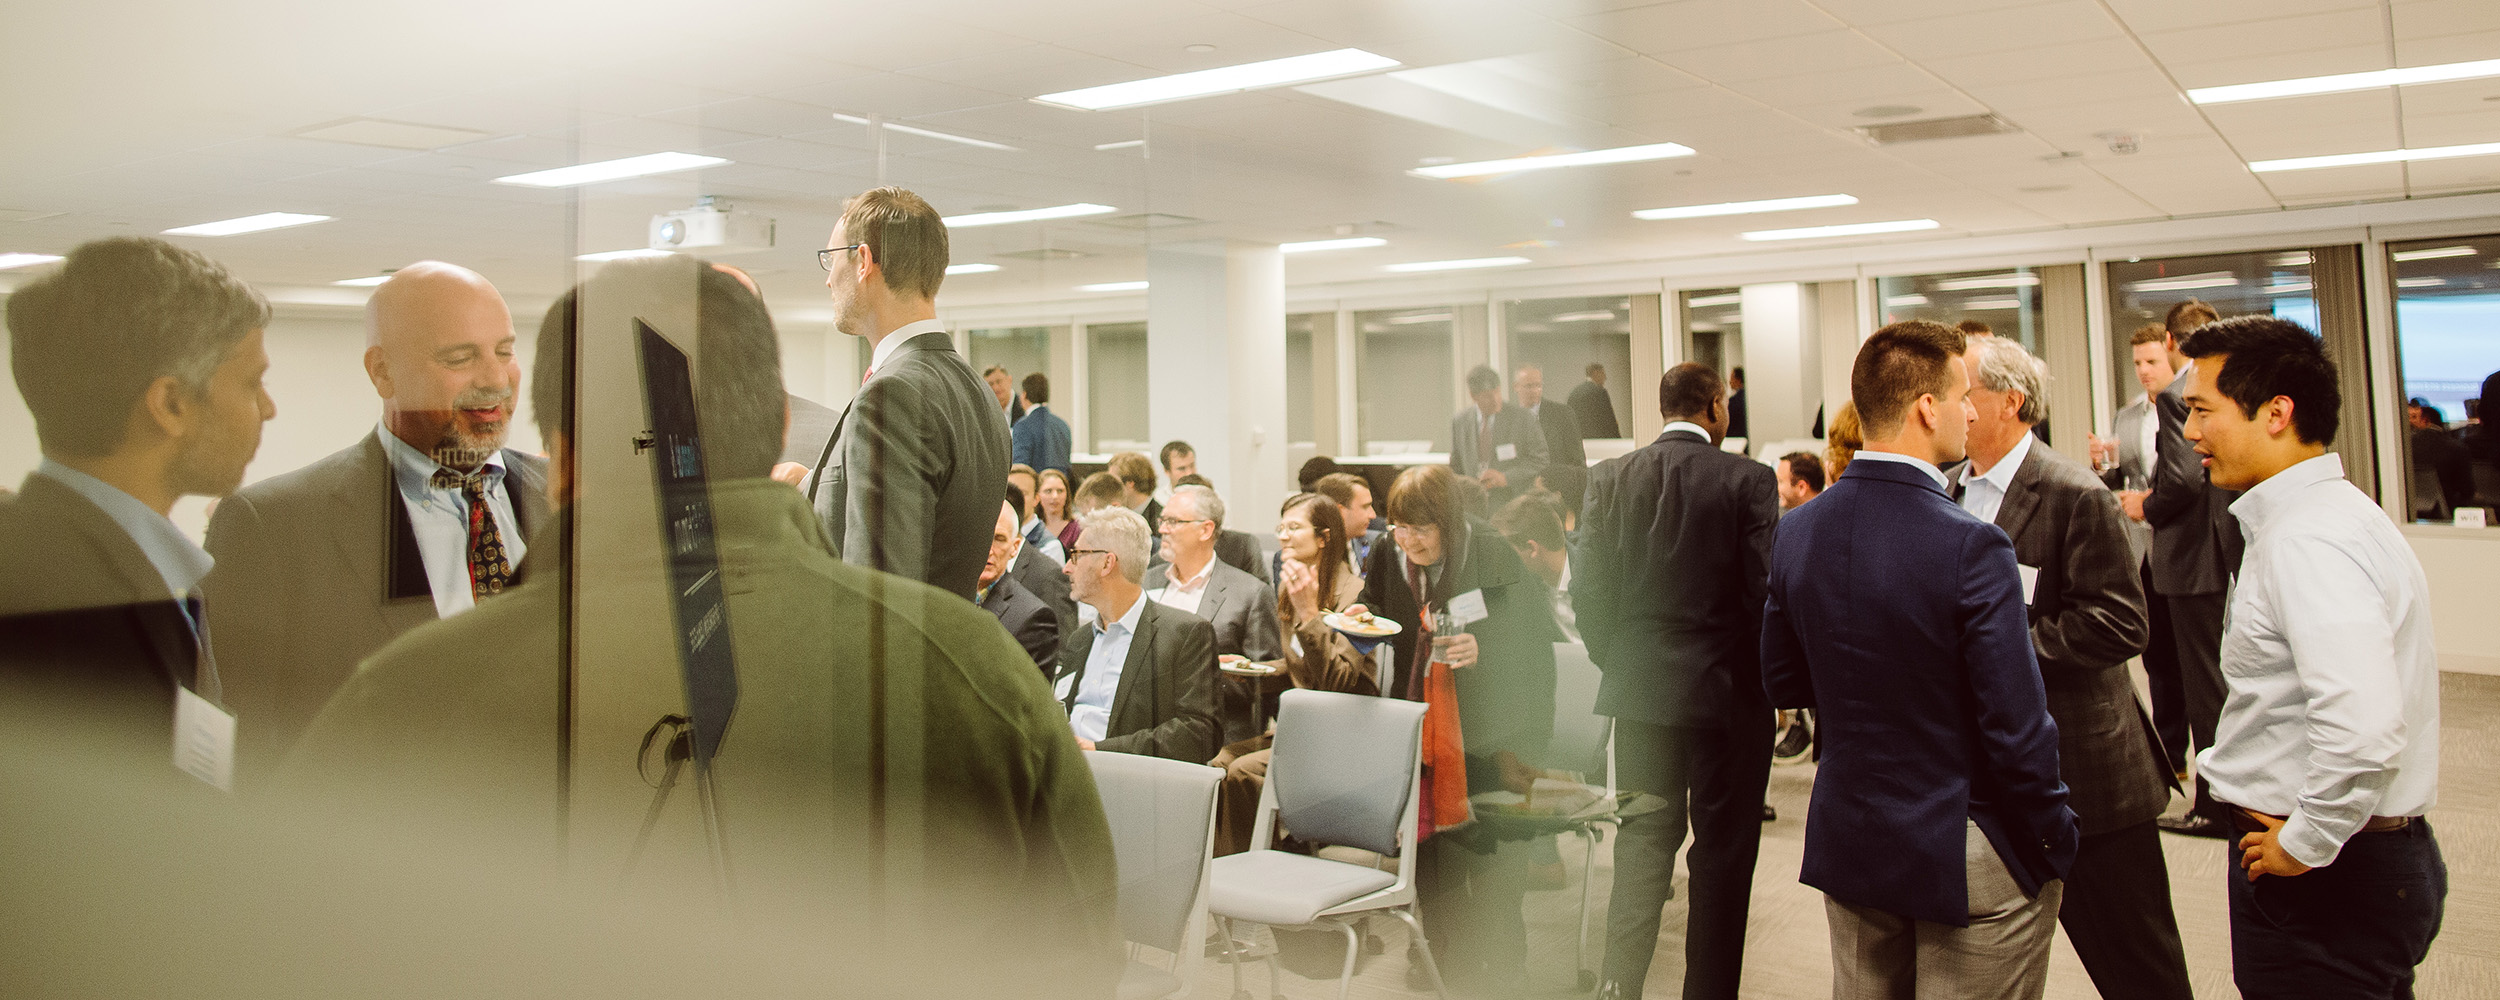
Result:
x=2333 y=710
x=2151 y=432
x=1920 y=464
x=1091 y=717
x=1184 y=595
x=1685 y=425
x=894 y=342
x=1983 y=494
x=439 y=517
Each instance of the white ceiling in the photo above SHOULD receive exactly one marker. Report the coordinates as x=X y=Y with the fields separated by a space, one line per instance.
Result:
x=129 y=117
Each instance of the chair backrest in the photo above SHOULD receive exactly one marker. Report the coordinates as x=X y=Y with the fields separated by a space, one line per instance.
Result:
x=1162 y=815
x=1580 y=733
x=1344 y=766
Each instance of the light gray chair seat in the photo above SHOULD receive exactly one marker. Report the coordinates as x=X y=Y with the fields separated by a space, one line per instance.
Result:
x=1280 y=888
x=1162 y=817
x=1141 y=981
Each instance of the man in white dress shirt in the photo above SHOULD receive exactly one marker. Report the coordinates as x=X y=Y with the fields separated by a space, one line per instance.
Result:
x=2326 y=757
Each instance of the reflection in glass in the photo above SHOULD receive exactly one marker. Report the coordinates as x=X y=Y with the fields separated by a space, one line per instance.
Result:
x=1116 y=387
x=1714 y=328
x=2007 y=299
x=1406 y=367
x=1299 y=371
x=2265 y=282
x=1562 y=337
x=2448 y=358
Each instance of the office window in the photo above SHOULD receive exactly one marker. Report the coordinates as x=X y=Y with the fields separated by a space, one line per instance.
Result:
x=1562 y=337
x=1300 y=369
x=2447 y=357
x=1116 y=388
x=1714 y=328
x=1407 y=377
x=2141 y=292
x=2007 y=299
x=1022 y=350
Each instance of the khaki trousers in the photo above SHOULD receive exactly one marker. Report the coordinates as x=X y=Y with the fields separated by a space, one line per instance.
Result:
x=2004 y=953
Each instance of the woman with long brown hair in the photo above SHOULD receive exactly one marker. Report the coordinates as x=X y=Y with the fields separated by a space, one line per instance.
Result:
x=1052 y=507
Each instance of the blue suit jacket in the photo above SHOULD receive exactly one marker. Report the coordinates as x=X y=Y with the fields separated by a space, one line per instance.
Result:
x=1041 y=440
x=1898 y=617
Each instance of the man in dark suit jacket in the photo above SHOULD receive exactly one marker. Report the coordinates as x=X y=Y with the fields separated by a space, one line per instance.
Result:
x=2131 y=475
x=1141 y=678
x=1939 y=829
x=811 y=425
x=1003 y=388
x=141 y=363
x=1668 y=585
x=1593 y=406
x=1024 y=615
x=918 y=465
x=2087 y=620
x=1500 y=446
x=2196 y=546
x=320 y=567
x=1041 y=439
x=1240 y=607
x=1566 y=469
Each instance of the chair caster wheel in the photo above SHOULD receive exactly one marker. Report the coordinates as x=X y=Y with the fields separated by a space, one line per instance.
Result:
x=1588 y=981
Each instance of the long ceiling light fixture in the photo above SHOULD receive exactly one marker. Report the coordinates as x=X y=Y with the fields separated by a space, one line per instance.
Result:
x=928 y=133
x=1745 y=207
x=2344 y=82
x=2015 y=280
x=2435 y=253
x=1222 y=80
x=1549 y=161
x=1349 y=243
x=10 y=260
x=1078 y=210
x=1467 y=264
x=1853 y=229
x=248 y=224
x=612 y=170
x=2380 y=156
x=1113 y=286
x=970 y=268
x=2186 y=283
x=636 y=253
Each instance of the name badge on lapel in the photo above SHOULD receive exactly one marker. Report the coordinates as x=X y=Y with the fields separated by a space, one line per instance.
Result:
x=1468 y=608
x=1505 y=452
x=2031 y=580
x=203 y=740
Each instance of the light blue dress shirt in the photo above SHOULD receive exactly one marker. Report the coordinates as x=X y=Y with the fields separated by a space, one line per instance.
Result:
x=440 y=519
x=1091 y=717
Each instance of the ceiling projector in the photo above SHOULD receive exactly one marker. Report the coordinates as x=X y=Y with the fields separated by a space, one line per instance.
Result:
x=712 y=227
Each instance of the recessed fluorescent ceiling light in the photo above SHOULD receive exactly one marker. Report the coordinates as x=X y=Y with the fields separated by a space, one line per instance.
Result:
x=364 y=282
x=1745 y=207
x=632 y=254
x=2297 y=286
x=970 y=268
x=611 y=170
x=2191 y=282
x=1906 y=300
x=1728 y=299
x=1222 y=80
x=1027 y=215
x=1351 y=243
x=1856 y=229
x=2420 y=282
x=2433 y=254
x=926 y=133
x=9 y=260
x=1992 y=305
x=1456 y=265
x=2381 y=156
x=1125 y=144
x=2296 y=258
x=1549 y=161
x=2342 y=82
x=248 y=224
x=1592 y=316
x=1416 y=318
x=1988 y=281
x=1113 y=286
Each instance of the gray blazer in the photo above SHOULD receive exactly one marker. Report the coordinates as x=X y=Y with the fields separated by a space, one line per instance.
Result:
x=1513 y=426
x=2087 y=620
x=2196 y=543
x=2134 y=471
x=911 y=481
x=316 y=570
x=1243 y=610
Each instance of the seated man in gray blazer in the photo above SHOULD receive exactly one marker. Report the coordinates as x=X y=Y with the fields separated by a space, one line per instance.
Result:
x=1192 y=579
x=1141 y=678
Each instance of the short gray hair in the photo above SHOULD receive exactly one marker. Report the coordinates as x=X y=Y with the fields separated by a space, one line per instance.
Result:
x=1998 y=364
x=87 y=339
x=1204 y=501
x=1121 y=532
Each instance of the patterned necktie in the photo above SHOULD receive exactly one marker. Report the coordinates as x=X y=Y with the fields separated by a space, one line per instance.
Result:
x=1415 y=582
x=1484 y=442
x=488 y=570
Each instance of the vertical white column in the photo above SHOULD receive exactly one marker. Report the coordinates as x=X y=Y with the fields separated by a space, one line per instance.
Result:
x=1215 y=358
x=1349 y=419
x=1782 y=359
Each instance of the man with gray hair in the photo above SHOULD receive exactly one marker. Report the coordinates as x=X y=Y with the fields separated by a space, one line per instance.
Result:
x=141 y=363
x=1141 y=678
x=419 y=521
x=1240 y=607
x=2087 y=618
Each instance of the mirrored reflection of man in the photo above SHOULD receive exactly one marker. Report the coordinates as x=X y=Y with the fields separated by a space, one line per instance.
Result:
x=895 y=772
x=1140 y=678
x=2129 y=459
x=141 y=363
x=1499 y=446
x=423 y=519
x=1594 y=407
x=1566 y=472
x=1021 y=612
x=913 y=476
x=1003 y=387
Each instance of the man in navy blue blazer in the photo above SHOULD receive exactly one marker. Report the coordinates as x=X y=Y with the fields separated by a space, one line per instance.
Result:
x=1939 y=831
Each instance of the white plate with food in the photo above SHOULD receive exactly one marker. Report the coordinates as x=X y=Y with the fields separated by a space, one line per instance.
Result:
x=1240 y=667
x=1365 y=625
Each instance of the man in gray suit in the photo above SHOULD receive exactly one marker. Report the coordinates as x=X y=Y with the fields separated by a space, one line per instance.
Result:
x=1192 y=579
x=2196 y=548
x=912 y=479
x=428 y=515
x=2129 y=458
x=1141 y=678
x=1500 y=446
x=2087 y=619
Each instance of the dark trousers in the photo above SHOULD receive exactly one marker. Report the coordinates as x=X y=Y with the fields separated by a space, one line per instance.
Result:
x=2196 y=628
x=2161 y=673
x=2355 y=928
x=2117 y=915
x=1469 y=891
x=1711 y=779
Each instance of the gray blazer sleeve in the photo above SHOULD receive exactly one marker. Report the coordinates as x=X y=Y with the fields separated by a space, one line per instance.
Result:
x=892 y=462
x=2178 y=476
x=2102 y=622
x=1528 y=436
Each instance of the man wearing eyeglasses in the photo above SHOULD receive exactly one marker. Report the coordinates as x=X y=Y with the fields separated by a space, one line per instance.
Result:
x=1241 y=608
x=912 y=479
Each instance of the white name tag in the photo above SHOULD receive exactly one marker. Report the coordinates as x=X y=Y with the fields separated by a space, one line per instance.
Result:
x=1468 y=608
x=2469 y=517
x=203 y=740
x=2031 y=579
x=1505 y=452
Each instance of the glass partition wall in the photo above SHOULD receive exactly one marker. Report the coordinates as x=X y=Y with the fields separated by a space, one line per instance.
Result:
x=1406 y=364
x=2447 y=294
x=1116 y=387
x=1563 y=337
x=2008 y=300
x=1714 y=327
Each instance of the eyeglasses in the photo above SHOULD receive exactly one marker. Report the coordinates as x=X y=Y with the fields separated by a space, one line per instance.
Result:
x=824 y=257
x=1174 y=522
x=1412 y=529
x=1075 y=554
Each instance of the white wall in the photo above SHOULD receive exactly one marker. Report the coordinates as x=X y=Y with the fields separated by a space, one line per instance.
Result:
x=2464 y=577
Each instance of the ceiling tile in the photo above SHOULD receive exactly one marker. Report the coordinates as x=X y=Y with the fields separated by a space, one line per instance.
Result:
x=2044 y=63
x=2378 y=180
x=1867 y=12
x=2464 y=173
x=2169 y=15
x=1818 y=88
x=2443 y=18
x=1802 y=54
x=2277 y=34
x=2432 y=50
x=2060 y=23
x=1693 y=24
x=2225 y=68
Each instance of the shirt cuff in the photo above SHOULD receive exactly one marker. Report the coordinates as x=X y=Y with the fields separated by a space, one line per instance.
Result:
x=2308 y=842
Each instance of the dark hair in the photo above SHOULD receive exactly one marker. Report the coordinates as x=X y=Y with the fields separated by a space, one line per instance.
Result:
x=1688 y=389
x=1037 y=388
x=87 y=340
x=2265 y=357
x=1171 y=448
x=738 y=394
x=2187 y=316
x=903 y=235
x=1593 y=368
x=2433 y=414
x=1482 y=378
x=985 y=372
x=1101 y=487
x=1328 y=521
x=1339 y=487
x=1806 y=468
x=1319 y=467
x=1132 y=468
x=1974 y=328
x=1737 y=373
x=1015 y=496
x=2149 y=333
x=1534 y=516
x=1428 y=494
x=1895 y=367
x=1193 y=479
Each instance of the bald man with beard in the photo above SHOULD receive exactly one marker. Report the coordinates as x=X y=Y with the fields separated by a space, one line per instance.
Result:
x=425 y=517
